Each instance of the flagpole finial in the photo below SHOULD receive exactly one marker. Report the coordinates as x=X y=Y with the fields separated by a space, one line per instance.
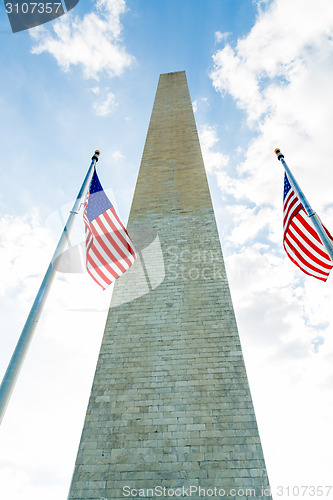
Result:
x=278 y=153
x=96 y=155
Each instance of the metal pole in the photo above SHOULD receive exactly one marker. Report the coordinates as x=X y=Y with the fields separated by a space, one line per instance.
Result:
x=309 y=211
x=23 y=343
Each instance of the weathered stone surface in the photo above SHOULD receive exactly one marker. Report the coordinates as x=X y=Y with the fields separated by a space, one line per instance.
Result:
x=170 y=404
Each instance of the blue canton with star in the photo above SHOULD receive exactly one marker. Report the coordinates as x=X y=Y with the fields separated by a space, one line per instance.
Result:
x=98 y=202
x=287 y=187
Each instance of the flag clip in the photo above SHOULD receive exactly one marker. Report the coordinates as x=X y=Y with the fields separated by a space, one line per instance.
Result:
x=78 y=210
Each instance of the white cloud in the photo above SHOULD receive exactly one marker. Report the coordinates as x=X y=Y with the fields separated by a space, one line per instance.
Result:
x=284 y=39
x=105 y=102
x=197 y=102
x=22 y=239
x=248 y=222
x=95 y=90
x=214 y=160
x=118 y=156
x=105 y=106
x=219 y=37
x=93 y=42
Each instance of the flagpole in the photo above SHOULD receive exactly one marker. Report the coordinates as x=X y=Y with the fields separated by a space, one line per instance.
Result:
x=309 y=211
x=16 y=362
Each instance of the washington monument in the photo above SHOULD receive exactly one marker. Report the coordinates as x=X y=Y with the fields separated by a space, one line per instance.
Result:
x=170 y=411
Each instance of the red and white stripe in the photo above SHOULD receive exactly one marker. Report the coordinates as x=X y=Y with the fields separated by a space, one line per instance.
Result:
x=109 y=249
x=301 y=241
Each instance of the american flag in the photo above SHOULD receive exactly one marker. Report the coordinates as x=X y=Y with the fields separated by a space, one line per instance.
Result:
x=300 y=239
x=109 y=249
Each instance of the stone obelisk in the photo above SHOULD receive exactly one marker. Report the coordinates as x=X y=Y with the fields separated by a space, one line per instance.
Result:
x=170 y=409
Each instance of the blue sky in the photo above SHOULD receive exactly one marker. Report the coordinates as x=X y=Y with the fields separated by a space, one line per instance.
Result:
x=260 y=76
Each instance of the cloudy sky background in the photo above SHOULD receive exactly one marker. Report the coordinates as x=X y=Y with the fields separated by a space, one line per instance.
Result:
x=260 y=76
